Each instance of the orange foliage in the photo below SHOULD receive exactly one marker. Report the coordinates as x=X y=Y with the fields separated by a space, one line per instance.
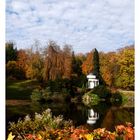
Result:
x=87 y=65
x=58 y=63
x=108 y=67
x=22 y=60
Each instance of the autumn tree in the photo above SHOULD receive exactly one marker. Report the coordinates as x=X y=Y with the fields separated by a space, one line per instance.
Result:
x=51 y=70
x=108 y=67
x=58 y=62
x=11 y=52
x=35 y=62
x=37 y=66
x=125 y=76
x=22 y=59
x=87 y=65
x=67 y=58
x=13 y=70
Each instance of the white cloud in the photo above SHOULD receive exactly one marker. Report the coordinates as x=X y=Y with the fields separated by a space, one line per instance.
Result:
x=104 y=24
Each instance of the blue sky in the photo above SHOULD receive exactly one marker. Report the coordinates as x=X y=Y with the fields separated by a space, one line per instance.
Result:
x=85 y=24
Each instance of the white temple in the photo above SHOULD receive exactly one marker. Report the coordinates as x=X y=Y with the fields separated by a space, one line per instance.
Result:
x=92 y=81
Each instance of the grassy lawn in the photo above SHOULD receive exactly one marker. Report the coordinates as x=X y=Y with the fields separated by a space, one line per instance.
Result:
x=20 y=90
x=126 y=92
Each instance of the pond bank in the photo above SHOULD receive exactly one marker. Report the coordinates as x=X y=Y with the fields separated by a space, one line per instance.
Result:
x=18 y=102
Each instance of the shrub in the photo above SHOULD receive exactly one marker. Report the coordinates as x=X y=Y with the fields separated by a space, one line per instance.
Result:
x=90 y=99
x=58 y=84
x=36 y=95
x=13 y=70
x=43 y=122
x=43 y=95
x=46 y=94
x=79 y=81
x=102 y=92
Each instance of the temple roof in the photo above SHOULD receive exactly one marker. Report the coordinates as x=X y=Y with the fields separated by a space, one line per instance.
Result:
x=91 y=76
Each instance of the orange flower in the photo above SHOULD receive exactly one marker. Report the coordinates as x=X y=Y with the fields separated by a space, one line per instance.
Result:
x=120 y=129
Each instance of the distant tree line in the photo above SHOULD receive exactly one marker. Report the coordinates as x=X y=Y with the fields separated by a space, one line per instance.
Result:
x=52 y=62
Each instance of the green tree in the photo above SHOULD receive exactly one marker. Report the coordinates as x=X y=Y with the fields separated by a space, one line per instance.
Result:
x=78 y=79
x=11 y=52
x=96 y=67
x=76 y=65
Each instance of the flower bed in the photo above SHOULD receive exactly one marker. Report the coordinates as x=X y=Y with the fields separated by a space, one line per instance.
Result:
x=46 y=127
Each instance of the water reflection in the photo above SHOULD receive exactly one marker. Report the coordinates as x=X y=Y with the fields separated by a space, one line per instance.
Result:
x=102 y=115
x=117 y=115
x=92 y=117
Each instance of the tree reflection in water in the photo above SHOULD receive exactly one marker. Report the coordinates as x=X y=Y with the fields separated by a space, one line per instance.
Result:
x=78 y=112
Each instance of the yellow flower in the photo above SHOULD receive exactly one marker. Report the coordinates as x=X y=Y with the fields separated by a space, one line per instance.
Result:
x=10 y=136
x=39 y=136
x=89 y=136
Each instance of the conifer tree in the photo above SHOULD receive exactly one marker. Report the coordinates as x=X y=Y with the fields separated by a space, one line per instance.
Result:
x=11 y=52
x=96 y=67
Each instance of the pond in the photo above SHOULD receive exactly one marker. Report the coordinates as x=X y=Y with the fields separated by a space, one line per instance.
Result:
x=109 y=116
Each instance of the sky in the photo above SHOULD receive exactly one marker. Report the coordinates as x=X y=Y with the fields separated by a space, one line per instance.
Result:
x=106 y=25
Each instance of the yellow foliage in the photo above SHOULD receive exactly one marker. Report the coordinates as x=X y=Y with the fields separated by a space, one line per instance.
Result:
x=10 y=136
